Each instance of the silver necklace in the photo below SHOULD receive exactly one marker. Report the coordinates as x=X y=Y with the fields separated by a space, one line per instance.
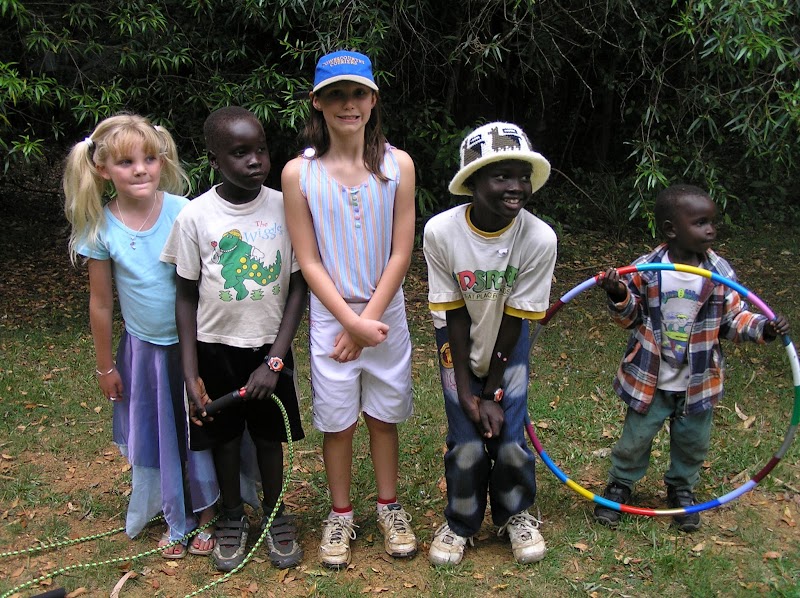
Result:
x=136 y=234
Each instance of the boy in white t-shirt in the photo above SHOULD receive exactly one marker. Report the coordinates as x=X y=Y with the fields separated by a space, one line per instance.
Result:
x=673 y=366
x=490 y=266
x=240 y=298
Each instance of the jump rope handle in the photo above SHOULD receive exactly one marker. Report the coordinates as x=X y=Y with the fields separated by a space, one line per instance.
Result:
x=234 y=397
x=225 y=401
x=56 y=593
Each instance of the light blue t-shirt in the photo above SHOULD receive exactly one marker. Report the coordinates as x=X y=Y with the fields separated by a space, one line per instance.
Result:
x=145 y=284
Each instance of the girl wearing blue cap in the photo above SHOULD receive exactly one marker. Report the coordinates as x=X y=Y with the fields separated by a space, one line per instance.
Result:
x=349 y=201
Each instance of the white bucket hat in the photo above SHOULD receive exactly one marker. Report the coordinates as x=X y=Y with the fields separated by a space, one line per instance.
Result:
x=494 y=142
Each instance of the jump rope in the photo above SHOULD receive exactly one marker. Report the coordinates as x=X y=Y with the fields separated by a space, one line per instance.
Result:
x=213 y=407
x=238 y=395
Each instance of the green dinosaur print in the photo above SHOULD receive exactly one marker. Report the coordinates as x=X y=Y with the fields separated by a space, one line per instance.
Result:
x=242 y=262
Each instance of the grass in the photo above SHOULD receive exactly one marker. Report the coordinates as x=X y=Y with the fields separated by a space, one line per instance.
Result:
x=60 y=476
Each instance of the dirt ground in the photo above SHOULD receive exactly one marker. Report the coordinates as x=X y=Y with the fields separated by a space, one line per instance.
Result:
x=371 y=569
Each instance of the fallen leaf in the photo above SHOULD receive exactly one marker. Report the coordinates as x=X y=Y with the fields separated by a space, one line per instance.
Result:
x=118 y=587
x=699 y=547
x=740 y=414
x=580 y=546
x=772 y=555
x=787 y=517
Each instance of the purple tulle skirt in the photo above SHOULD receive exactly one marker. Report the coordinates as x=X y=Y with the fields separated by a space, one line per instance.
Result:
x=150 y=429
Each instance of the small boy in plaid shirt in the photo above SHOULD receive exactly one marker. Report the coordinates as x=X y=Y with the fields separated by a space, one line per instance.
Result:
x=673 y=365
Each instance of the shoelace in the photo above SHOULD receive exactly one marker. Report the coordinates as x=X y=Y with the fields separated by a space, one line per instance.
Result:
x=451 y=538
x=399 y=521
x=520 y=525
x=339 y=526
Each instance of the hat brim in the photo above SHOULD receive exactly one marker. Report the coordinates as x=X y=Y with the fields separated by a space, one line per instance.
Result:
x=539 y=174
x=355 y=78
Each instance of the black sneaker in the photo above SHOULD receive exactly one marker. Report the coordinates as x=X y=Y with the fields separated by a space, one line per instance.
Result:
x=231 y=534
x=281 y=540
x=679 y=498
x=617 y=493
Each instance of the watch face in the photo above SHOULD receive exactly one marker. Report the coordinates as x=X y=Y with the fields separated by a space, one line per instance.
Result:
x=275 y=364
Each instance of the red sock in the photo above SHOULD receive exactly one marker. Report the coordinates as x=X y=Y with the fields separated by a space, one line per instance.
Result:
x=342 y=511
x=382 y=502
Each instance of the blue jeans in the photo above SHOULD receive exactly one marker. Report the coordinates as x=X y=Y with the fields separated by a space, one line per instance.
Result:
x=689 y=439
x=502 y=466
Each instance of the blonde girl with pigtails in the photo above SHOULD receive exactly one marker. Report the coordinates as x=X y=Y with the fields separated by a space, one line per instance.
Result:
x=123 y=187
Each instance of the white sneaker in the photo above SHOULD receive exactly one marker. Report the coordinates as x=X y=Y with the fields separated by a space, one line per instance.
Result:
x=526 y=541
x=447 y=547
x=334 y=550
x=398 y=537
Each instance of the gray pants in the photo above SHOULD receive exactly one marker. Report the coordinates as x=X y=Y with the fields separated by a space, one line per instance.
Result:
x=690 y=436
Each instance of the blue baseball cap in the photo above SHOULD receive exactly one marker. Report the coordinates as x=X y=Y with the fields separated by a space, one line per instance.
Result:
x=344 y=65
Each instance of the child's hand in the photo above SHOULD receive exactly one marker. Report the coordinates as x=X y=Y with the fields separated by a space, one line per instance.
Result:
x=262 y=383
x=488 y=416
x=778 y=326
x=198 y=399
x=111 y=385
x=368 y=333
x=345 y=348
x=610 y=282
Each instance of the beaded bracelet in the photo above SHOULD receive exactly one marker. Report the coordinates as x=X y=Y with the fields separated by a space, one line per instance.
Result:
x=99 y=373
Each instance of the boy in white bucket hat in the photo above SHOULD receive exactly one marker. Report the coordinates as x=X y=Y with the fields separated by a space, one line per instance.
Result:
x=490 y=265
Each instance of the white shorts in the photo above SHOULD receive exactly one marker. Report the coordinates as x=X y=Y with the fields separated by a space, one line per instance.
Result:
x=377 y=383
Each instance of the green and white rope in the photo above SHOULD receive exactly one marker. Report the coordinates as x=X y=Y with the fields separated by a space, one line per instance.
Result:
x=159 y=549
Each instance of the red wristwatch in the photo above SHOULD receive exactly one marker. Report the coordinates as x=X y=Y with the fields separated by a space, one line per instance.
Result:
x=274 y=363
x=496 y=396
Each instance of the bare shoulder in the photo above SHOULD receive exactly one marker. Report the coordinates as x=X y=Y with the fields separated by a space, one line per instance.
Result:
x=292 y=168
x=403 y=159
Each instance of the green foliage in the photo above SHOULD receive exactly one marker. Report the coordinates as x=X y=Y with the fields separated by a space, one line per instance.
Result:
x=705 y=92
x=726 y=114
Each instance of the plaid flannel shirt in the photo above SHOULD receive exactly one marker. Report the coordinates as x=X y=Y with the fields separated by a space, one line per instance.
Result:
x=723 y=313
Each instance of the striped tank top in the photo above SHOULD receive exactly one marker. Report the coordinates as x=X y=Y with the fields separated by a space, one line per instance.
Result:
x=353 y=225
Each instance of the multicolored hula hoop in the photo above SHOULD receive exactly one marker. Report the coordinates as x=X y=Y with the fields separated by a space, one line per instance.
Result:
x=736 y=492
